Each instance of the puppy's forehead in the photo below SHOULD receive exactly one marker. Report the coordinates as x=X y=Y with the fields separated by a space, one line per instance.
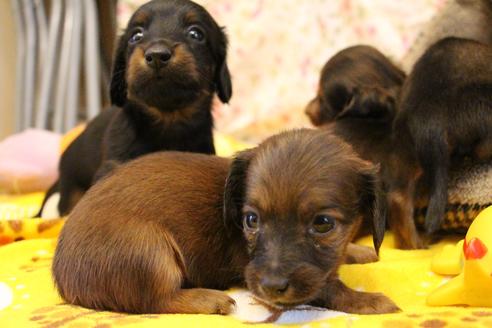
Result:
x=303 y=168
x=170 y=12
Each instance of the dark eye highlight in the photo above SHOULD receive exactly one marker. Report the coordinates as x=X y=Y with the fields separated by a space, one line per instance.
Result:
x=322 y=224
x=196 y=33
x=251 y=220
x=136 y=36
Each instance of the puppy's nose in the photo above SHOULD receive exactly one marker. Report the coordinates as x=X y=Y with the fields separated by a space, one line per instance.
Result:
x=157 y=56
x=274 y=286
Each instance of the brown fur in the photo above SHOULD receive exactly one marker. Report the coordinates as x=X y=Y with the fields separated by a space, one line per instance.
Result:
x=358 y=82
x=139 y=236
x=287 y=182
x=164 y=230
x=356 y=100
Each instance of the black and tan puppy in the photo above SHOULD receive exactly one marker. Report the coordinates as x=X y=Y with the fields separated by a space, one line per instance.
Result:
x=445 y=115
x=357 y=97
x=163 y=232
x=169 y=63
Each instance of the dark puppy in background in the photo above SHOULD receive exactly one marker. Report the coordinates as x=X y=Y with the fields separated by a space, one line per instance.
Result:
x=280 y=219
x=445 y=115
x=357 y=82
x=169 y=63
x=357 y=97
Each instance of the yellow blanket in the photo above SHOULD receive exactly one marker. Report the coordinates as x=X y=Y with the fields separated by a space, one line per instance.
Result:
x=28 y=297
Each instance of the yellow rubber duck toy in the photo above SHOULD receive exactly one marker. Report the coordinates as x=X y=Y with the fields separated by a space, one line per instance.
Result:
x=473 y=286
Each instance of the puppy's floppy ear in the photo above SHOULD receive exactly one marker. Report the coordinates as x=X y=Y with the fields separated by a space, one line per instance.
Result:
x=118 y=88
x=222 y=77
x=372 y=102
x=235 y=187
x=373 y=203
x=314 y=112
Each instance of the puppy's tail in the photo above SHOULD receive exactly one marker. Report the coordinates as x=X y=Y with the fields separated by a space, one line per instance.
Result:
x=433 y=154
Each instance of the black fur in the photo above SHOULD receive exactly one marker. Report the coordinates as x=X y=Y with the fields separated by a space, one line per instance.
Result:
x=446 y=114
x=164 y=108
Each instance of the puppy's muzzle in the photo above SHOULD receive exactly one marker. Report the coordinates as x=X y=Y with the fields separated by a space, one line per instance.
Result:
x=273 y=286
x=157 y=56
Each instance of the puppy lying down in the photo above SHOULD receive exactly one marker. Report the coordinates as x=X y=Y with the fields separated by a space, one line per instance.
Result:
x=166 y=232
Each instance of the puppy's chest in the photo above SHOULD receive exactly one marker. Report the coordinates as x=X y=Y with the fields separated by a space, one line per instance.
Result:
x=156 y=136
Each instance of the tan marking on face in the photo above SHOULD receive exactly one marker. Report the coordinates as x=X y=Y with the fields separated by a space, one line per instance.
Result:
x=140 y=18
x=185 y=60
x=135 y=65
x=190 y=17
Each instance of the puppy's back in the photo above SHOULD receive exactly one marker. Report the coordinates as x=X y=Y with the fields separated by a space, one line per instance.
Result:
x=131 y=232
x=451 y=71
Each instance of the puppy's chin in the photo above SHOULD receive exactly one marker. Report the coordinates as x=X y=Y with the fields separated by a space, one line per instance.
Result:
x=305 y=285
x=164 y=93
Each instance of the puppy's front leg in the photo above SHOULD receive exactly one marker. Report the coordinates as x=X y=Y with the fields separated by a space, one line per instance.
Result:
x=199 y=300
x=336 y=296
x=358 y=254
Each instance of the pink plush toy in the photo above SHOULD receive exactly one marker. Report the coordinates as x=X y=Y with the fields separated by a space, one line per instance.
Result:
x=29 y=161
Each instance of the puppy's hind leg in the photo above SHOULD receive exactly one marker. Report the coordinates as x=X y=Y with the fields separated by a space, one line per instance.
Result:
x=401 y=218
x=170 y=272
x=137 y=268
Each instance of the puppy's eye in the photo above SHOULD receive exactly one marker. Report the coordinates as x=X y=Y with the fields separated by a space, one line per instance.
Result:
x=136 y=36
x=196 y=33
x=251 y=220
x=322 y=224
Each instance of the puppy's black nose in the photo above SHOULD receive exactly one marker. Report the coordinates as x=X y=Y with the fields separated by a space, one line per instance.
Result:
x=274 y=286
x=157 y=56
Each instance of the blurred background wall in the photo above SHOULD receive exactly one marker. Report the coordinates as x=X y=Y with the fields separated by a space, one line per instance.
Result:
x=7 y=69
x=277 y=49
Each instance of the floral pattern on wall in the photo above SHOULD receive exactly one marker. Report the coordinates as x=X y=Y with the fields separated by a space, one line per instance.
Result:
x=277 y=49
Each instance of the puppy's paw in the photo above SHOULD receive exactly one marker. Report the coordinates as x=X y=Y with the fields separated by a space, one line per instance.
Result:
x=224 y=305
x=214 y=302
x=358 y=254
x=376 y=303
x=200 y=301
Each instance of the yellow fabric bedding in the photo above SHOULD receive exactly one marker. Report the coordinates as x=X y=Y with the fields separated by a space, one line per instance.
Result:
x=28 y=297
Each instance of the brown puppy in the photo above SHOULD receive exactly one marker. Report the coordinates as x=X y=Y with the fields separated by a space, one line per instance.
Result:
x=169 y=64
x=445 y=115
x=357 y=82
x=163 y=231
x=302 y=197
x=356 y=99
